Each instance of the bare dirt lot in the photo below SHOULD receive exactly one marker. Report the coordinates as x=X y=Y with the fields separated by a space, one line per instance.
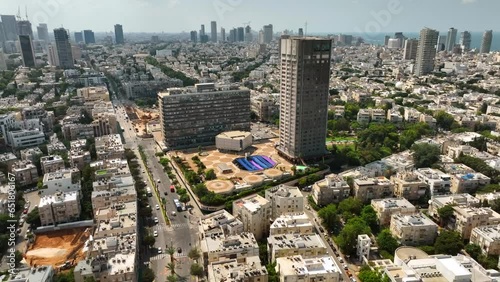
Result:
x=57 y=247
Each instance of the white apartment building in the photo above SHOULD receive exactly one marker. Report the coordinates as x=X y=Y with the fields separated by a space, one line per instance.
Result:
x=102 y=199
x=385 y=208
x=9 y=159
x=109 y=147
x=284 y=199
x=41 y=273
x=363 y=116
x=468 y=182
x=438 y=181
x=377 y=115
x=306 y=245
x=255 y=213
x=299 y=269
x=488 y=238
x=466 y=218
x=366 y=189
x=25 y=138
x=407 y=185
x=249 y=269
x=51 y=163
x=219 y=222
x=218 y=247
x=25 y=172
x=489 y=197
x=413 y=229
x=66 y=180
x=332 y=189
x=440 y=201
x=59 y=208
x=292 y=223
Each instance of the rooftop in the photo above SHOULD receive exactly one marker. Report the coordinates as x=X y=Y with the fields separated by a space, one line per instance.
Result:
x=295 y=241
x=297 y=265
x=417 y=219
x=59 y=197
x=252 y=203
x=292 y=220
x=395 y=203
x=232 y=243
x=234 y=270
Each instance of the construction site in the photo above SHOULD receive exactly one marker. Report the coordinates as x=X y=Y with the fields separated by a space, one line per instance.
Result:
x=141 y=118
x=62 y=248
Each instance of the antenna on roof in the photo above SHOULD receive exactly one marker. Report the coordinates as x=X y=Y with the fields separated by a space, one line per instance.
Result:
x=26 y=11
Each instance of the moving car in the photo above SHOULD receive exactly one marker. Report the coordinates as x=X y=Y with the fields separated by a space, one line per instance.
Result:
x=155 y=233
x=159 y=250
x=157 y=207
x=156 y=220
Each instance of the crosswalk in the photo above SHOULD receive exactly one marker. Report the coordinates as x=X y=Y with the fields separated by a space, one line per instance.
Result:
x=166 y=256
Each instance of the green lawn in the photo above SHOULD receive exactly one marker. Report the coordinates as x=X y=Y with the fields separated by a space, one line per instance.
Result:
x=339 y=139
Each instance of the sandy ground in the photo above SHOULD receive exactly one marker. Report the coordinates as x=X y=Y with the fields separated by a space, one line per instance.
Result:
x=55 y=248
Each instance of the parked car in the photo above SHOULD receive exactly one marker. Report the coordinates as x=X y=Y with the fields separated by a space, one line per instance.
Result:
x=155 y=233
x=156 y=220
x=157 y=207
x=159 y=250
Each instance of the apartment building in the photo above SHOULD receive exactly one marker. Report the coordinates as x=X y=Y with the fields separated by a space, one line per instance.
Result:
x=25 y=138
x=284 y=199
x=488 y=238
x=255 y=213
x=438 y=181
x=93 y=94
x=467 y=218
x=413 y=229
x=411 y=115
x=219 y=222
x=40 y=273
x=332 y=189
x=104 y=124
x=306 y=245
x=407 y=185
x=25 y=173
x=31 y=154
x=59 y=208
x=338 y=111
x=363 y=116
x=249 y=269
x=109 y=147
x=65 y=180
x=440 y=201
x=218 y=247
x=192 y=117
x=297 y=268
x=74 y=131
x=292 y=223
x=366 y=189
x=488 y=197
x=9 y=159
x=51 y=163
x=468 y=182
x=107 y=198
x=394 y=116
x=136 y=89
x=385 y=208
x=264 y=107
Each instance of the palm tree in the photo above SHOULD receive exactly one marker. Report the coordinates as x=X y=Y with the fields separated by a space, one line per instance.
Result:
x=172 y=278
x=170 y=250
x=194 y=254
x=171 y=267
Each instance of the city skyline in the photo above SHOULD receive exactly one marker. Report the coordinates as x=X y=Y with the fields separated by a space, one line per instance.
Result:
x=353 y=16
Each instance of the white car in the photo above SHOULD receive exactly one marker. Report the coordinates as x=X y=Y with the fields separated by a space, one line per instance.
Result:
x=157 y=207
x=159 y=250
x=155 y=233
x=341 y=260
x=156 y=220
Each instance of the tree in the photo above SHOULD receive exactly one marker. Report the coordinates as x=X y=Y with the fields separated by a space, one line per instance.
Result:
x=348 y=237
x=368 y=275
x=184 y=198
x=148 y=275
x=473 y=250
x=149 y=240
x=349 y=207
x=273 y=276
x=425 y=155
x=444 y=120
x=210 y=174
x=194 y=254
x=387 y=242
x=448 y=242
x=445 y=213
x=196 y=270
x=329 y=216
x=33 y=217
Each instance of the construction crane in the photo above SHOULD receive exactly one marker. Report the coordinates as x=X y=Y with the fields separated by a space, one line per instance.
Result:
x=18 y=16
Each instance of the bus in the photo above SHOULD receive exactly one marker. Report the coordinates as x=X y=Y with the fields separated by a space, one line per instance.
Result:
x=148 y=192
x=178 y=205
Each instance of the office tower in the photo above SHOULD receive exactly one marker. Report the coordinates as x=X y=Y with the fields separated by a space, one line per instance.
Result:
x=465 y=40
x=63 y=46
x=202 y=30
x=441 y=43
x=268 y=33
x=119 y=34
x=222 y=34
x=10 y=27
x=232 y=35
x=52 y=56
x=451 y=39
x=426 y=51
x=42 y=32
x=89 y=37
x=213 y=31
x=401 y=37
x=411 y=46
x=240 y=34
x=248 y=34
x=301 y=32
x=486 y=42
x=79 y=37
x=393 y=43
x=193 y=116
x=305 y=76
x=386 y=40
x=24 y=28
x=261 y=37
x=3 y=63
x=194 y=36
x=27 y=51
x=204 y=38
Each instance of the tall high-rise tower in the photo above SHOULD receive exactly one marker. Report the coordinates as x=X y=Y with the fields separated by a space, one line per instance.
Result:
x=305 y=76
x=194 y=36
x=222 y=34
x=89 y=37
x=63 y=46
x=119 y=34
x=426 y=51
x=486 y=42
x=202 y=30
x=411 y=46
x=268 y=33
x=24 y=28
x=465 y=40
x=43 y=32
x=451 y=39
x=10 y=27
x=27 y=50
x=213 y=31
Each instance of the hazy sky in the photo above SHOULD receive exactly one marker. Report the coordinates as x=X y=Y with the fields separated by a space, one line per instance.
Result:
x=321 y=15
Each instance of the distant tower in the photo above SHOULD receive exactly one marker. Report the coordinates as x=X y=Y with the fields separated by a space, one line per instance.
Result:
x=268 y=33
x=202 y=30
x=213 y=31
x=363 y=247
x=194 y=36
x=240 y=34
x=119 y=39
x=10 y=27
x=43 y=32
x=451 y=40
x=386 y=40
x=79 y=37
x=441 y=43
x=411 y=46
x=64 y=53
x=401 y=37
x=52 y=54
x=426 y=51
x=248 y=34
x=486 y=42
x=24 y=28
x=301 y=32
x=89 y=37
x=465 y=40
x=27 y=51
x=222 y=34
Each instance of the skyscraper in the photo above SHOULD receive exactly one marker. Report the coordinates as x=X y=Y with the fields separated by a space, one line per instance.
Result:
x=202 y=30
x=305 y=76
x=486 y=42
x=401 y=37
x=88 y=35
x=465 y=40
x=10 y=27
x=411 y=46
x=451 y=39
x=426 y=51
x=63 y=46
x=301 y=32
x=27 y=51
x=268 y=33
x=119 y=34
x=79 y=37
x=232 y=35
x=213 y=31
x=240 y=34
x=43 y=32
x=194 y=36
x=441 y=43
x=52 y=56
x=24 y=28
x=248 y=34
x=222 y=34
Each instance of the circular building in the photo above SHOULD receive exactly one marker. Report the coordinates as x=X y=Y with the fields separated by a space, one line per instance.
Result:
x=254 y=180
x=233 y=141
x=404 y=254
x=220 y=186
x=273 y=173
